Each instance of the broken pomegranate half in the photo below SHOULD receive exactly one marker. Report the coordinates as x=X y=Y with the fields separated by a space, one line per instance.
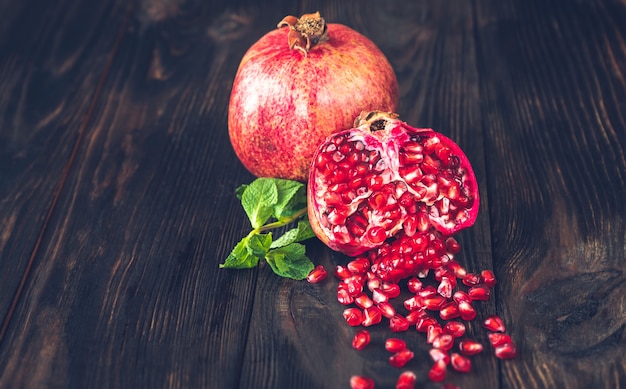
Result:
x=382 y=177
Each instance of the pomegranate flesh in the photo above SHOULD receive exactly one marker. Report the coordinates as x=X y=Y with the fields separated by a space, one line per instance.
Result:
x=298 y=84
x=384 y=178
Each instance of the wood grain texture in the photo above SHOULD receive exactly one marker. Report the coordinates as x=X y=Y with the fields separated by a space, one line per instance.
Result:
x=117 y=217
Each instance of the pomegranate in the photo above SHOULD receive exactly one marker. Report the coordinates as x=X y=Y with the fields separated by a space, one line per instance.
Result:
x=298 y=84
x=384 y=177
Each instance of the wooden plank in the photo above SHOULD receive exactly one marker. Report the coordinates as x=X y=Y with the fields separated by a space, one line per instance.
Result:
x=126 y=290
x=48 y=79
x=298 y=336
x=552 y=93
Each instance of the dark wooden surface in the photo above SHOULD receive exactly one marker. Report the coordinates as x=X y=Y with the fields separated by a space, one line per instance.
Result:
x=117 y=205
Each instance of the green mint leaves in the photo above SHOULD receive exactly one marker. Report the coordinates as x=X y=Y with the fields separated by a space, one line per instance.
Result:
x=272 y=203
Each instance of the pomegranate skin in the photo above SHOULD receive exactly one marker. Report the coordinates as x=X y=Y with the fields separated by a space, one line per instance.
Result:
x=284 y=103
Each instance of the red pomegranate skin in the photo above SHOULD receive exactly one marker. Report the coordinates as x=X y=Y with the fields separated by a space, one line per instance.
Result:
x=284 y=103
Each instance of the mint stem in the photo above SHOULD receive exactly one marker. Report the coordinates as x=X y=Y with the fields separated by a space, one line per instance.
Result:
x=279 y=223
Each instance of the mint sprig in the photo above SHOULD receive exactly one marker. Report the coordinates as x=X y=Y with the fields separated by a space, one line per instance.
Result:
x=272 y=203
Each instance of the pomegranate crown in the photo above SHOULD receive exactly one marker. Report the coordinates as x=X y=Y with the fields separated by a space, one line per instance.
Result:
x=304 y=32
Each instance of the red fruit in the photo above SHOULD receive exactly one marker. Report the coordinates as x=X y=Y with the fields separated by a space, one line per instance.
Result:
x=494 y=323
x=403 y=173
x=353 y=316
x=398 y=323
x=454 y=328
x=363 y=301
x=414 y=284
x=437 y=372
x=471 y=279
x=498 y=339
x=443 y=342
x=361 y=339
x=433 y=332
x=488 y=278
x=460 y=363
x=401 y=358
x=470 y=347
x=506 y=351
x=394 y=345
x=359 y=266
x=285 y=102
x=449 y=311
x=438 y=355
x=479 y=293
x=372 y=315
x=316 y=275
x=467 y=311
x=360 y=382
x=406 y=380
x=386 y=309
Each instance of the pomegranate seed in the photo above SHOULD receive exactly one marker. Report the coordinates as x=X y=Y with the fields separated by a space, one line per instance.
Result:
x=437 y=372
x=359 y=266
x=372 y=315
x=458 y=270
x=434 y=303
x=406 y=380
x=460 y=296
x=460 y=363
x=498 y=339
x=342 y=272
x=494 y=323
x=449 y=311
x=413 y=303
x=361 y=339
x=363 y=301
x=386 y=309
x=414 y=284
x=424 y=322
x=470 y=347
x=438 y=355
x=444 y=342
x=506 y=351
x=479 y=293
x=344 y=297
x=467 y=311
x=413 y=316
x=360 y=382
x=471 y=279
x=445 y=287
x=316 y=275
x=353 y=316
x=427 y=291
x=398 y=324
x=394 y=345
x=488 y=278
x=452 y=245
x=433 y=332
x=401 y=358
x=377 y=234
x=379 y=296
x=390 y=289
x=454 y=328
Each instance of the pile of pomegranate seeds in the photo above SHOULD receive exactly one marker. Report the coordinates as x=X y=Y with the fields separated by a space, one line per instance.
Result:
x=374 y=288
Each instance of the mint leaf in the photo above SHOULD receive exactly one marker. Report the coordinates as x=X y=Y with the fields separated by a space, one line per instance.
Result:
x=240 y=257
x=258 y=200
x=239 y=191
x=302 y=232
x=287 y=191
x=290 y=261
x=259 y=244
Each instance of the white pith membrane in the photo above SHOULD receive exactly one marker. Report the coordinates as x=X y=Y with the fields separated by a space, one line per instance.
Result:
x=395 y=155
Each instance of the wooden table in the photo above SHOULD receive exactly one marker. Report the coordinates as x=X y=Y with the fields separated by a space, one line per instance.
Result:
x=117 y=205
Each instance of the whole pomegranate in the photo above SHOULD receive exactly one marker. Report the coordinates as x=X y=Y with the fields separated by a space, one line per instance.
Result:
x=297 y=85
x=383 y=178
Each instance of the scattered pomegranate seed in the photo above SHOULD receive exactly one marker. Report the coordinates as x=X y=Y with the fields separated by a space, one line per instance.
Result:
x=470 y=347
x=460 y=363
x=360 y=382
x=353 y=316
x=434 y=303
x=467 y=311
x=479 y=293
x=433 y=332
x=454 y=328
x=379 y=296
x=401 y=358
x=387 y=309
x=488 y=278
x=372 y=315
x=390 y=289
x=316 y=275
x=406 y=380
x=444 y=342
x=445 y=287
x=494 y=323
x=398 y=323
x=461 y=296
x=394 y=345
x=359 y=266
x=438 y=354
x=424 y=322
x=437 y=372
x=413 y=303
x=498 y=339
x=342 y=272
x=363 y=301
x=344 y=297
x=361 y=339
x=413 y=316
x=427 y=291
x=414 y=284
x=471 y=279
x=506 y=351
x=449 y=311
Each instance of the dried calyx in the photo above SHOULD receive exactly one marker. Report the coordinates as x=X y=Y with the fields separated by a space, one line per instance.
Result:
x=305 y=32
